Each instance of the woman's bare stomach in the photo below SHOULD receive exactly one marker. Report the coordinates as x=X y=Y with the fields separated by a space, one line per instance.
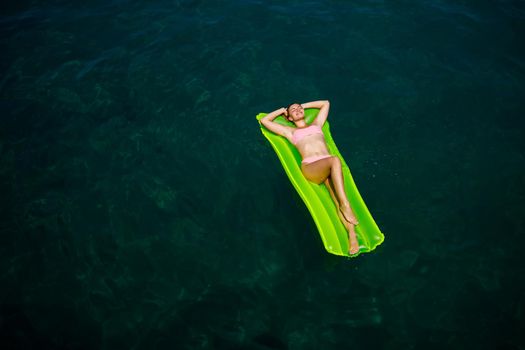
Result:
x=312 y=146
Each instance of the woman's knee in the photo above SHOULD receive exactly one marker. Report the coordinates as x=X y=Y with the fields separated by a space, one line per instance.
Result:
x=335 y=161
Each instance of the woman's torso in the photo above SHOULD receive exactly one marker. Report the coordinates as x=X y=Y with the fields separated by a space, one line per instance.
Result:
x=310 y=144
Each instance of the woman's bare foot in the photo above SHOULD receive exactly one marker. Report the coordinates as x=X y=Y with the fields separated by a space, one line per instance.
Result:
x=348 y=214
x=354 y=248
x=352 y=241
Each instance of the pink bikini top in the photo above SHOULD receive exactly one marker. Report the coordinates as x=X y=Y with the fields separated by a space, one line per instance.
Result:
x=299 y=134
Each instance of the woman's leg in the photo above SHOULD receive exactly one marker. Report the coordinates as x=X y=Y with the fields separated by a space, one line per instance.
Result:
x=320 y=170
x=352 y=238
x=328 y=185
x=323 y=170
x=336 y=175
x=317 y=171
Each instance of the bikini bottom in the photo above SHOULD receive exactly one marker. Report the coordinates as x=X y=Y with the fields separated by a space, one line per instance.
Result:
x=312 y=159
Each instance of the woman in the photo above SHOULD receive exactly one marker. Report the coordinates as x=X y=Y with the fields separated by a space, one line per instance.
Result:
x=318 y=166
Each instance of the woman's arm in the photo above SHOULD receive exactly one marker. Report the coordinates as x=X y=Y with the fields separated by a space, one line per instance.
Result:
x=279 y=129
x=324 y=107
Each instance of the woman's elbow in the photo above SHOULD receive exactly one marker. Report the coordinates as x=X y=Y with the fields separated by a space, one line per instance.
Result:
x=264 y=122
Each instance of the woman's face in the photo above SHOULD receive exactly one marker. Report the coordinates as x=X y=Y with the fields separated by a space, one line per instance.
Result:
x=296 y=112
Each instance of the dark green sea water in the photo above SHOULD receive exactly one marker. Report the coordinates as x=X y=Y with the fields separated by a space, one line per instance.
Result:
x=141 y=207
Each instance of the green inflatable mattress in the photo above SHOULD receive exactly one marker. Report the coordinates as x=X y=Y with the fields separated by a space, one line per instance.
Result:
x=317 y=197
